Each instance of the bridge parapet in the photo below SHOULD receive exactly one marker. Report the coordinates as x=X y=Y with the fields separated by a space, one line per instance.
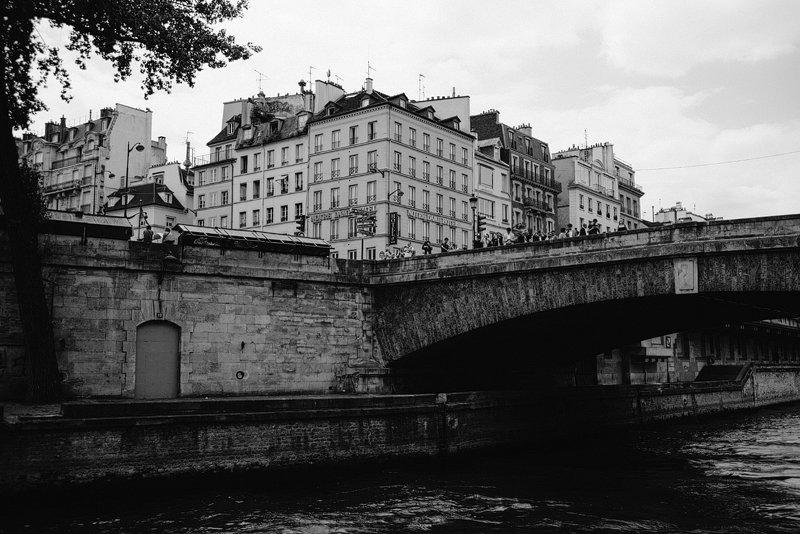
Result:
x=681 y=238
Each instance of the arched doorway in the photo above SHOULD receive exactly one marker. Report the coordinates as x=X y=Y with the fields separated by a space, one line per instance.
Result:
x=157 y=360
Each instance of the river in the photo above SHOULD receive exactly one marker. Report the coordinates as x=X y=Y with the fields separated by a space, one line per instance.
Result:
x=730 y=473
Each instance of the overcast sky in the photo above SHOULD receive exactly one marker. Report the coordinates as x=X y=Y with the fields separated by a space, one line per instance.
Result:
x=686 y=83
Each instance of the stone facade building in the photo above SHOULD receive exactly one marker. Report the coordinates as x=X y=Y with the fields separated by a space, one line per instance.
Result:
x=591 y=178
x=534 y=190
x=83 y=163
x=383 y=156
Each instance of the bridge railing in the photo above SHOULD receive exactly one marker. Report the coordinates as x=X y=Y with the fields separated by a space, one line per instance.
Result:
x=662 y=235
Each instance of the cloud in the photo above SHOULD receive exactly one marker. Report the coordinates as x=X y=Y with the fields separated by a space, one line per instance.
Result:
x=669 y=39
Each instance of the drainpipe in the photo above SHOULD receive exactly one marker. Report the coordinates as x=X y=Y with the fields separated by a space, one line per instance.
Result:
x=233 y=166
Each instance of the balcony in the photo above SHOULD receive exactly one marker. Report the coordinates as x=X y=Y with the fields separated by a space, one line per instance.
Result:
x=335 y=144
x=371 y=198
x=334 y=237
x=464 y=188
x=426 y=176
x=318 y=148
x=439 y=180
x=426 y=207
x=439 y=210
x=334 y=204
x=452 y=213
x=60 y=164
x=398 y=167
x=353 y=140
x=452 y=184
x=412 y=172
x=64 y=186
x=317 y=207
x=214 y=157
x=354 y=202
x=629 y=184
x=537 y=204
x=318 y=177
x=412 y=203
x=335 y=174
x=426 y=148
x=353 y=170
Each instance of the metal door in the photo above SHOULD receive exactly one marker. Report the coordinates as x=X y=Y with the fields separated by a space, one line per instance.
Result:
x=157 y=360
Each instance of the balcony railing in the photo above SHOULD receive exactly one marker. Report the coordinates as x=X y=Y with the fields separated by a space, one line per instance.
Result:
x=353 y=170
x=371 y=198
x=318 y=177
x=335 y=174
x=213 y=157
x=452 y=184
x=353 y=140
x=537 y=204
x=64 y=186
x=426 y=207
x=630 y=184
x=334 y=204
x=317 y=207
x=354 y=202
x=60 y=164
x=426 y=176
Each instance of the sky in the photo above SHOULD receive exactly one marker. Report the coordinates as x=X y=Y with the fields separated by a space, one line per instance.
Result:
x=702 y=97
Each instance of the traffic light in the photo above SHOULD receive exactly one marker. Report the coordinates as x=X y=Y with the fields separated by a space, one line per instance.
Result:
x=481 y=224
x=300 y=220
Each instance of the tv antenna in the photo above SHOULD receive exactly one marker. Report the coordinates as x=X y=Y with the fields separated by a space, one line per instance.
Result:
x=261 y=76
x=369 y=68
x=310 y=68
x=419 y=89
x=338 y=78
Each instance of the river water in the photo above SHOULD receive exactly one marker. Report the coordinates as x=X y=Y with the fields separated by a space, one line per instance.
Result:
x=732 y=473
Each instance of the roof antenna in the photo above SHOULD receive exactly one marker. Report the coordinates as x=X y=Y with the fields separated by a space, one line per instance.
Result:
x=310 y=68
x=585 y=139
x=369 y=68
x=261 y=76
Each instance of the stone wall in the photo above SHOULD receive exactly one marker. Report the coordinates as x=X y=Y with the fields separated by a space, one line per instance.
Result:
x=249 y=323
x=134 y=440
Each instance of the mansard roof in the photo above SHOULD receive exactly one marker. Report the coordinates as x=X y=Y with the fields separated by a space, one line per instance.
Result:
x=353 y=102
x=143 y=195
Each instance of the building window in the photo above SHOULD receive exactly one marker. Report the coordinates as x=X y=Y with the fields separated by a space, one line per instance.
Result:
x=270 y=187
x=316 y=230
x=452 y=152
x=256 y=188
x=352 y=195
x=335 y=168
x=270 y=215
x=439 y=147
x=201 y=202
x=223 y=198
x=223 y=221
x=298 y=153
x=335 y=139
x=412 y=196
x=318 y=143
x=412 y=137
x=353 y=164
x=284 y=184
x=353 y=135
x=243 y=165
x=270 y=159
x=170 y=222
x=317 y=206
x=371 y=130
x=580 y=201
x=426 y=142
x=398 y=132
x=298 y=181
x=256 y=217
x=371 y=191
x=298 y=210
x=242 y=219
x=243 y=191
x=398 y=161
x=334 y=197
x=284 y=213
x=257 y=161
x=224 y=173
x=412 y=166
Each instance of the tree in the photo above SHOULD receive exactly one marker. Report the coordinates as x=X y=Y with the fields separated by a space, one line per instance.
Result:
x=169 y=40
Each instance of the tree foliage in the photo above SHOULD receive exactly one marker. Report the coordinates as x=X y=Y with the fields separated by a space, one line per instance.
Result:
x=170 y=41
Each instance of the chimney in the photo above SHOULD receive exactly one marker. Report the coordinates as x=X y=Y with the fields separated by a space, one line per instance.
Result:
x=188 y=162
x=63 y=123
x=369 y=86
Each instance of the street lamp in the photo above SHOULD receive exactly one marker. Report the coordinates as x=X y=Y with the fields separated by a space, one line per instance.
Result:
x=139 y=147
x=398 y=192
x=473 y=203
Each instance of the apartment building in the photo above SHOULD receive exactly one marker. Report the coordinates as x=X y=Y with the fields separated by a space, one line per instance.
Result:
x=533 y=189
x=255 y=176
x=493 y=185
x=378 y=155
x=589 y=174
x=83 y=161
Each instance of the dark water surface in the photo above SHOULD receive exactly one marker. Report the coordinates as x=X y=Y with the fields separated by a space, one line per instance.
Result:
x=731 y=473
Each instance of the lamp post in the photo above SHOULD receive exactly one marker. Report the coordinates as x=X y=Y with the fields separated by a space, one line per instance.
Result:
x=473 y=203
x=139 y=147
x=398 y=192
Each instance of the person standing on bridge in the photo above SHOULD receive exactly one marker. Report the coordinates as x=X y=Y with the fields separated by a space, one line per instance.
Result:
x=426 y=247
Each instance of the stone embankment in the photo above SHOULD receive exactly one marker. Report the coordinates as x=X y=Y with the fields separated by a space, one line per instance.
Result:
x=91 y=441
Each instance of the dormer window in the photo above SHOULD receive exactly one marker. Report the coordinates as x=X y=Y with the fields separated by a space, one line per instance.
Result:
x=364 y=102
x=231 y=126
x=331 y=111
x=402 y=103
x=429 y=114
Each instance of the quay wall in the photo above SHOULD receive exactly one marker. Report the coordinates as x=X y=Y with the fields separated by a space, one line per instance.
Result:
x=248 y=323
x=92 y=441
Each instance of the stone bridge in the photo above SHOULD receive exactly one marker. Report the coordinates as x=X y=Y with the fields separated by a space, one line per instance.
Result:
x=244 y=322
x=524 y=305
